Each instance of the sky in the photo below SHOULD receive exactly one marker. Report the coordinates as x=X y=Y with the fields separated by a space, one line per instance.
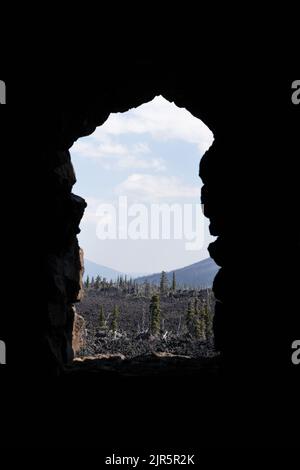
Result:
x=148 y=156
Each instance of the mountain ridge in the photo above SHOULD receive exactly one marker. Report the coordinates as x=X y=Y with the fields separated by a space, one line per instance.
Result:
x=200 y=274
x=93 y=269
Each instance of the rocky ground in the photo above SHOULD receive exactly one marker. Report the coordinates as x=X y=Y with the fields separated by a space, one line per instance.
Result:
x=132 y=338
x=142 y=345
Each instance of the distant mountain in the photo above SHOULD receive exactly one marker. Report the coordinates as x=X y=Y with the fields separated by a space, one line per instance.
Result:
x=92 y=269
x=200 y=274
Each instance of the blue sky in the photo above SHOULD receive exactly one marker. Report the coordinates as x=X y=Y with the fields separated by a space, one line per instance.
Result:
x=149 y=154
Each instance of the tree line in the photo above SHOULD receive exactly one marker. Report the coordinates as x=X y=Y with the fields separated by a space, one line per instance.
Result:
x=131 y=286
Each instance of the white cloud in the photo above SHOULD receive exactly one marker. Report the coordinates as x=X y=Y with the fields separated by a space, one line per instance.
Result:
x=150 y=187
x=163 y=120
x=117 y=156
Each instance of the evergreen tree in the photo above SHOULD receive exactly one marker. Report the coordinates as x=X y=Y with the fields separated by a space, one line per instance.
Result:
x=115 y=318
x=207 y=320
x=97 y=282
x=196 y=319
x=163 y=283
x=92 y=282
x=102 y=322
x=199 y=328
x=136 y=288
x=174 y=282
x=147 y=289
x=87 y=282
x=155 y=315
x=190 y=315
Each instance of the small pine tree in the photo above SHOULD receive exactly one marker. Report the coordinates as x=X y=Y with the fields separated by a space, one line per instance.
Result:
x=97 y=282
x=207 y=320
x=115 y=318
x=147 y=289
x=136 y=288
x=199 y=328
x=163 y=283
x=174 y=282
x=155 y=315
x=87 y=282
x=102 y=322
x=92 y=282
x=190 y=314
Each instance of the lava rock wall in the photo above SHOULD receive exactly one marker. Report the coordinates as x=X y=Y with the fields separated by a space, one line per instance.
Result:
x=241 y=180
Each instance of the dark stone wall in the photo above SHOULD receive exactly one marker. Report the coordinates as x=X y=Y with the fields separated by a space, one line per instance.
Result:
x=249 y=211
